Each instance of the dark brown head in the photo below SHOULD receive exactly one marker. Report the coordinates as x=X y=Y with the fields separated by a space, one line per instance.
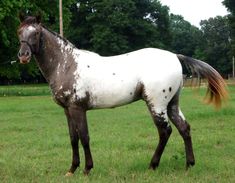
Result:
x=29 y=33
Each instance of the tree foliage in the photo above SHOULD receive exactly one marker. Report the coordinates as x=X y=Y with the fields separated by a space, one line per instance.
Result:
x=230 y=4
x=111 y=27
x=115 y=27
x=216 y=47
x=186 y=39
x=9 y=22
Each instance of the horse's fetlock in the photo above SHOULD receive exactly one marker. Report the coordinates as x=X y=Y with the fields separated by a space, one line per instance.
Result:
x=76 y=163
x=153 y=165
x=189 y=164
x=90 y=166
x=87 y=169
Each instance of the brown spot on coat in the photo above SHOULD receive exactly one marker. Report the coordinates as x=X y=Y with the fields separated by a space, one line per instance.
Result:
x=139 y=91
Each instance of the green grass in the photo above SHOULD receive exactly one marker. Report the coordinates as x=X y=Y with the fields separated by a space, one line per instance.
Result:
x=24 y=90
x=35 y=146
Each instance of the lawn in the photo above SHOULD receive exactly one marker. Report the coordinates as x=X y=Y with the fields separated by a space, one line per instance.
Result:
x=35 y=146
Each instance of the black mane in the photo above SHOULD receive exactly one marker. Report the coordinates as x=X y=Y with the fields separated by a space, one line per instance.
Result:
x=56 y=34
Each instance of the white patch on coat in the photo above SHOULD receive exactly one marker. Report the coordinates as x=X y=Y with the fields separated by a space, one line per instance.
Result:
x=66 y=50
x=110 y=80
x=67 y=93
x=31 y=28
x=58 y=69
x=64 y=64
x=181 y=114
x=28 y=30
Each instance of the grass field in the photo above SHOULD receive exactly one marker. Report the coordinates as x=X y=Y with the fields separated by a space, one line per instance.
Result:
x=35 y=146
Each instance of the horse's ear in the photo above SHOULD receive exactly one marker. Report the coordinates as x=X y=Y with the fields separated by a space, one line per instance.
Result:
x=38 y=18
x=21 y=16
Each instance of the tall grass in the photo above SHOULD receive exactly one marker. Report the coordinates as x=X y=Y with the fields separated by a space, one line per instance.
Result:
x=35 y=146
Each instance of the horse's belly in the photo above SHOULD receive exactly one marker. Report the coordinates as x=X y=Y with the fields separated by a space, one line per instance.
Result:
x=116 y=94
x=110 y=101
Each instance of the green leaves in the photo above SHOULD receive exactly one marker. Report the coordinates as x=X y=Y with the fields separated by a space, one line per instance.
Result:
x=217 y=45
x=185 y=37
x=9 y=22
x=111 y=27
x=230 y=4
x=115 y=27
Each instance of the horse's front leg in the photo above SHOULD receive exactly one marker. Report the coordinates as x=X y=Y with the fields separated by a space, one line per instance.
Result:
x=74 y=143
x=78 y=115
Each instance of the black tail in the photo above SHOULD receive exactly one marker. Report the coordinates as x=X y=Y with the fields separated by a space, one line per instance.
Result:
x=217 y=88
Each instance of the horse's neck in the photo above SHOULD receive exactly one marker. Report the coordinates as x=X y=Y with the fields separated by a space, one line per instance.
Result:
x=52 y=54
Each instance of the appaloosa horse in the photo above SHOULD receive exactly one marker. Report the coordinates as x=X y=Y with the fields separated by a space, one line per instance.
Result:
x=81 y=80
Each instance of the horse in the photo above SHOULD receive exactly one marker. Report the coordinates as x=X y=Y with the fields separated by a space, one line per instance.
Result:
x=81 y=80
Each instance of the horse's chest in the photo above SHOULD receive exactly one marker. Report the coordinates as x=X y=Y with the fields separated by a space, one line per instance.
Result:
x=61 y=95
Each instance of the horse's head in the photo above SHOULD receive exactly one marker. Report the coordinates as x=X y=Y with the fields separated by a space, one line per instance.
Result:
x=29 y=33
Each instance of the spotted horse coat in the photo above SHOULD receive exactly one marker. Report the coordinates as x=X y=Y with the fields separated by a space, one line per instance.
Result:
x=81 y=80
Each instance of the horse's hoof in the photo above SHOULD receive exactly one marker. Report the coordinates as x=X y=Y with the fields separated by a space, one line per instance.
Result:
x=190 y=164
x=69 y=174
x=86 y=172
x=153 y=166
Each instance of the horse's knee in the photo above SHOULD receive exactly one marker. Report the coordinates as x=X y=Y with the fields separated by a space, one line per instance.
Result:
x=163 y=125
x=169 y=130
x=184 y=130
x=165 y=131
x=179 y=121
x=173 y=113
x=74 y=140
x=85 y=140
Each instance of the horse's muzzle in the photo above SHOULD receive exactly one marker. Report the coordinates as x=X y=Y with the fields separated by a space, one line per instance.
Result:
x=25 y=59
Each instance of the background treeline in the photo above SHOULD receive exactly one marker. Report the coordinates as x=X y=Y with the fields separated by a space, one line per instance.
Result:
x=111 y=27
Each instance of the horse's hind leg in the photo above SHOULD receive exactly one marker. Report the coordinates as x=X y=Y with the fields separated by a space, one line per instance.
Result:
x=177 y=118
x=164 y=129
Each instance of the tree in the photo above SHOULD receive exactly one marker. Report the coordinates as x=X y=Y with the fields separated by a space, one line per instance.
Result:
x=9 y=22
x=230 y=4
x=108 y=27
x=115 y=27
x=216 y=47
x=186 y=38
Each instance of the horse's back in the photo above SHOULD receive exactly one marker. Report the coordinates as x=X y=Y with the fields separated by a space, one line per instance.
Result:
x=141 y=61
